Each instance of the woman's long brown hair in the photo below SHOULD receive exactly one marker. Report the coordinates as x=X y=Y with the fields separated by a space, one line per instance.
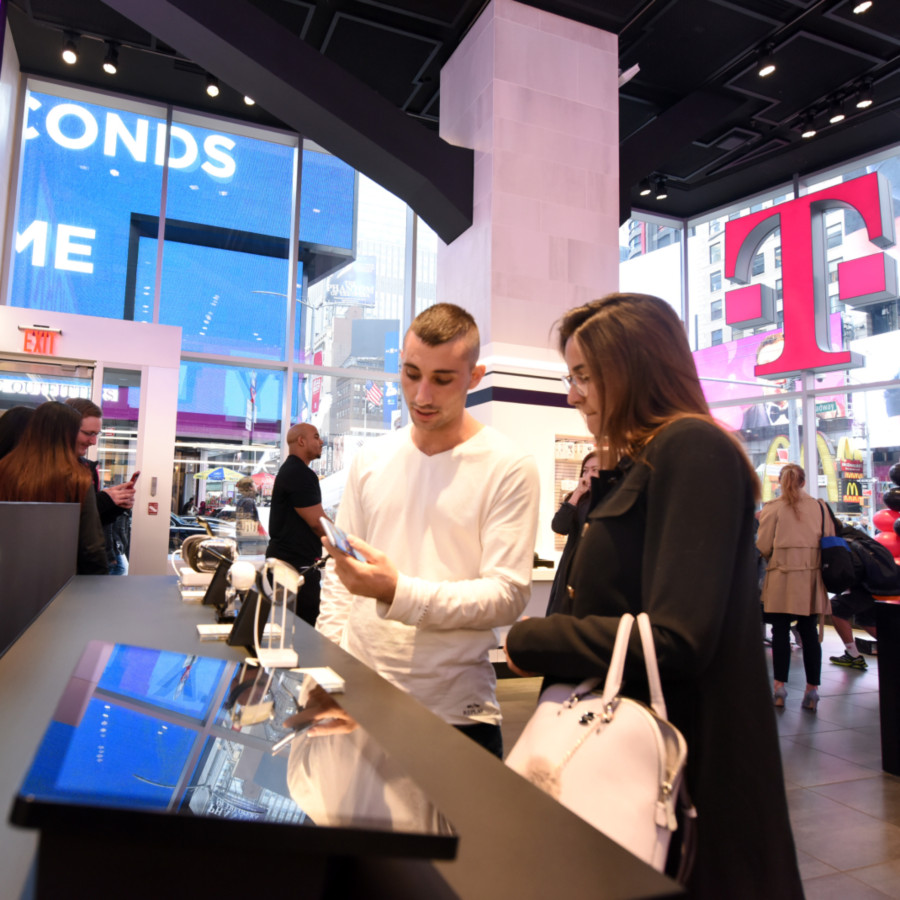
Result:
x=637 y=353
x=43 y=467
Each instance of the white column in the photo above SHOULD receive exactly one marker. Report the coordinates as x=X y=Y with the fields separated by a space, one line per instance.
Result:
x=536 y=96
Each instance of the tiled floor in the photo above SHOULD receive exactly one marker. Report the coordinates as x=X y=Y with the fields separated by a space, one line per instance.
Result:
x=845 y=811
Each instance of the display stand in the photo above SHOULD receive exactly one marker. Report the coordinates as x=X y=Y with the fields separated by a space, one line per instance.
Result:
x=279 y=581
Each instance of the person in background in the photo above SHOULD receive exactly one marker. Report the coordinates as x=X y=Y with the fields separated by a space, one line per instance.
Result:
x=452 y=507
x=12 y=427
x=670 y=533
x=295 y=535
x=112 y=501
x=245 y=512
x=790 y=530
x=43 y=468
x=569 y=520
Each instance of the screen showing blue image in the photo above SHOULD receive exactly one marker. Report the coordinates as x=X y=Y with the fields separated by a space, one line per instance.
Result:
x=180 y=682
x=140 y=730
x=226 y=302
x=114 y=757
x=88 y=218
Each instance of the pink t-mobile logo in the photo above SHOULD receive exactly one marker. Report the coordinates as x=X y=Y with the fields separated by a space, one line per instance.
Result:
x=861 y=282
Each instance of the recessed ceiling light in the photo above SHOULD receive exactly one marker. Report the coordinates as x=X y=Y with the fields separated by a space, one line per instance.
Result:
x=766 y=65
x=111 y=60
x=865 y=98
x=212 y=85
x=70 y=51
x=860 y=8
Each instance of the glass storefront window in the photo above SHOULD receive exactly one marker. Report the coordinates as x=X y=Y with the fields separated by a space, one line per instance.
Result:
x=426 y=268
x=225 y=259
x=370 y=288
x=650 y=251
x=229 y=426
x=89 y=184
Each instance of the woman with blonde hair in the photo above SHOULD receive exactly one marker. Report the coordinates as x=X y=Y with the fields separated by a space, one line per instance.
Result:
x=790 y=531
x=670 y=533
x=44 y=468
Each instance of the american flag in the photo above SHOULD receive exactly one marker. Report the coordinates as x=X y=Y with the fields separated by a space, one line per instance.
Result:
x=373 y=393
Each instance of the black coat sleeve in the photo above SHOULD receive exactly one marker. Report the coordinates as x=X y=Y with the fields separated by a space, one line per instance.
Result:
x=564 y=518
x=682 y=536
x=91 y=542
x=107 y=509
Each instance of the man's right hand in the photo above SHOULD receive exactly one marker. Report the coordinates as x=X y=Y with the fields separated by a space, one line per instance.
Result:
x=122 y=494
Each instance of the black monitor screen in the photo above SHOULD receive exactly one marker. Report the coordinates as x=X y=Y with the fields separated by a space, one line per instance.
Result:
x=142 y=731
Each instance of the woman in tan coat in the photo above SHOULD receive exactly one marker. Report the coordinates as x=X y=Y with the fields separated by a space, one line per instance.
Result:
x=790 y=530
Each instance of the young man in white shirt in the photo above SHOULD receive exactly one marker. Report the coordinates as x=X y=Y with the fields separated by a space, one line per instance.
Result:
x=445 y=513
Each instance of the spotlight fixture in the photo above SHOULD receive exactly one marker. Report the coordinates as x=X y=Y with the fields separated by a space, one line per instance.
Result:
x=860 y=8
x=662 y=190
x=212 y=85
x=865 y=99
x=766 y=65
x=836 y=112
x=807 y=129
x=70 y=50
x=249 y=101
x=111 y=60
x=644 y=188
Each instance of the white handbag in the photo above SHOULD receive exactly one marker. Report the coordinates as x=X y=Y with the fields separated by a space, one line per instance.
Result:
x=610 y=759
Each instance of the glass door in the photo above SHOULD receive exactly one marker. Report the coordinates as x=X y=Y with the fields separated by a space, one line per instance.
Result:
x=117 y=445
x=25 y=382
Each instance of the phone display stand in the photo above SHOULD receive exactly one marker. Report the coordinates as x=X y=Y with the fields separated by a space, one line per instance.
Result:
x=215 y=593
x=254 y=613
x=278 y=581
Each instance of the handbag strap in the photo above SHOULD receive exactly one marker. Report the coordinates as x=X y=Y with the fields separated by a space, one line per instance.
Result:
x=657 y=701
x=822 y=514
x=617 y=662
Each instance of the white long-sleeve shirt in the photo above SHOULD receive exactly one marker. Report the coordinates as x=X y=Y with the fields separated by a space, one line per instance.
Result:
x=460 y=527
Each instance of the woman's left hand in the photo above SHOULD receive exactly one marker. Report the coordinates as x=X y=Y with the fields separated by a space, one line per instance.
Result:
x=513 y=667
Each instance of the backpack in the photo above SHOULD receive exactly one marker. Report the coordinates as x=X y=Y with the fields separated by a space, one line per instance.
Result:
x=873 y=563
x=839 y=570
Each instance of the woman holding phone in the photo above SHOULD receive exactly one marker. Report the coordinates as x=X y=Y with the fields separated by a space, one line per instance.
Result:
x=666 y=463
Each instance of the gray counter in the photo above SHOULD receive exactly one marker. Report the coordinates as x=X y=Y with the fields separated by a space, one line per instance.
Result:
x=515 y=842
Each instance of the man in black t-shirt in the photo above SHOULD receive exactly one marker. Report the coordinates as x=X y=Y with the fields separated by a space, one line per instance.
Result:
x=294 y=529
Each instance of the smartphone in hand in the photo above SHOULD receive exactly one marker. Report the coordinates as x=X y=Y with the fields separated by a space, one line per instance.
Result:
x=338 y=538
x=134 y=478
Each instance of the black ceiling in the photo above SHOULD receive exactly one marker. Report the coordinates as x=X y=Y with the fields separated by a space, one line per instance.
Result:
x=696 y=111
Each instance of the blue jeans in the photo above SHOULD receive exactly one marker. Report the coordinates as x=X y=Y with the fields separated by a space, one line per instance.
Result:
x=120 y=567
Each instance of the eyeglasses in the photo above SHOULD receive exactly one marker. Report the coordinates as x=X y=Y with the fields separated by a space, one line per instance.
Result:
x=579 y=382
x=89 y=434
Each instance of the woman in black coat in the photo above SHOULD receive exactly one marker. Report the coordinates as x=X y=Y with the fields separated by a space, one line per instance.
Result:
x=633 y=378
